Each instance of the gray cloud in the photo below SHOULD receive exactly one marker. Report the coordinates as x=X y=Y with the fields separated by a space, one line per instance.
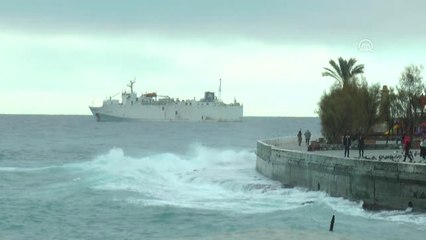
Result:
x=273 y=19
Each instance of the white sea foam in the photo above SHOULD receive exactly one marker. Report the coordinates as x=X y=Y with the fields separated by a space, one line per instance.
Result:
x=203 y=178
x=353 y=208
x=24 y=169
x=211 y=179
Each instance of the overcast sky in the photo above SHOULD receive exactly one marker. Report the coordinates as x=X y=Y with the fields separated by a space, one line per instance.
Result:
x=60 y=56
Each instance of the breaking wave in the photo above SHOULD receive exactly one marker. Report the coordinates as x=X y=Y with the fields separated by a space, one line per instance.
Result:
x=205 y=178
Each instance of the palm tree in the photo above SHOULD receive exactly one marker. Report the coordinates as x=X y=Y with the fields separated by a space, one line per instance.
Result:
x=345 y=72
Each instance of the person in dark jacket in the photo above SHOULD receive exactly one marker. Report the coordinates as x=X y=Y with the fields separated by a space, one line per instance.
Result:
x=299 y=137
x=347 y=144
x=361 y=146
x=423 y=148
x=307 y=137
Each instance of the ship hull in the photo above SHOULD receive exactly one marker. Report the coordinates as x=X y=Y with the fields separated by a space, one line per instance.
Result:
x=200 y=112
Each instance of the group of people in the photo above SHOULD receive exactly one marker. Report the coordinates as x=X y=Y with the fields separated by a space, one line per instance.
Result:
x=406 y=142
x=347 y=142
x=307 y=137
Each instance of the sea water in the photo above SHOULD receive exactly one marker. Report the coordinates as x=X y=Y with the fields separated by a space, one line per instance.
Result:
x=70 y=177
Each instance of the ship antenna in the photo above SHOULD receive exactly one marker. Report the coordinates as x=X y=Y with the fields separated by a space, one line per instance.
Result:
x=131 y=85
x=220 y=89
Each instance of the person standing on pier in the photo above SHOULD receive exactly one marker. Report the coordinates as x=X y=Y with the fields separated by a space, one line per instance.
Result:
x=407 y=146
x=307 y=137
x=347 y=144
x=423 y=148
x=361 y=146
x=299 y=137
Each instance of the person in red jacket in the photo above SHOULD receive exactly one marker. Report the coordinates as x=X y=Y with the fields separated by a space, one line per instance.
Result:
x=407 y=146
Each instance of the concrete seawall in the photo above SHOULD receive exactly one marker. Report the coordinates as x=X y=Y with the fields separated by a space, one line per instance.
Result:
x=379 y=184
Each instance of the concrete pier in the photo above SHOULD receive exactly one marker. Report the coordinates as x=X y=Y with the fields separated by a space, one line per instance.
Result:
x=380 y=184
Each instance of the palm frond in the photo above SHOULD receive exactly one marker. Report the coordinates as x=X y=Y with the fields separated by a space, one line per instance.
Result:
x=351 y=62
x=358 y=69
x=344 y=68
x=330 y=73
x=336 y=67
x=344 y=71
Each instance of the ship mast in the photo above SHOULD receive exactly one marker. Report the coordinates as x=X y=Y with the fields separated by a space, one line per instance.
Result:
x=131 y=85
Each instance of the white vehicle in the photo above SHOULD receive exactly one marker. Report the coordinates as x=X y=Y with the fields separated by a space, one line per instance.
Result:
x=153 y=107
